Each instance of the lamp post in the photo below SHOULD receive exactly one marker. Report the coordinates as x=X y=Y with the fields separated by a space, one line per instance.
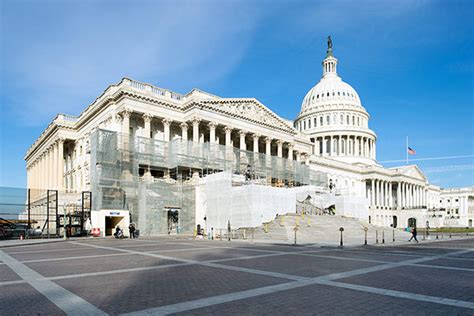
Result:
x=341 y=230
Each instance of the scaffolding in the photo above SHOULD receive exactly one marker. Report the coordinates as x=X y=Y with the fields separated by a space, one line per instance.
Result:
x=149 y=177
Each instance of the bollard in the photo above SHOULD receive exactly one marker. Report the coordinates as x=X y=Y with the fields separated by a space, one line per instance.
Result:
x=450 y=234
x=228 y=230
x=393 y=235
x=467 y=231
x=341 y=230
x=295 y=229
x=365 y=231
x=436 y=234
x=212 y=233
x=376 y=236
x=383 y=236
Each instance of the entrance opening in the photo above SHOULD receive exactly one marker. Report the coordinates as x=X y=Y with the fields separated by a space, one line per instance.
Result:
x=111 y=222
x=173 y=222
x=412 y=222
x=394 y=222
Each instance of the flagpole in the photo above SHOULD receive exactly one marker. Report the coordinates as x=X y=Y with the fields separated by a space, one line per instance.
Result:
x=406 y=150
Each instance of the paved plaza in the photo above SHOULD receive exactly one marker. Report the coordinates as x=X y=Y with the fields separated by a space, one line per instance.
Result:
x=189 y=277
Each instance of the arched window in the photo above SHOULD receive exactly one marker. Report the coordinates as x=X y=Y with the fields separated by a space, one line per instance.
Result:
x=328 y=120
x=358 y=121
x=304 y=125
x=353 y=120
x=315 y=122
x=321 y=121
x=328 y=94
x=334 y=120
x=348 y=120
x=309 y=123
x=342 y=119
x=343 y=146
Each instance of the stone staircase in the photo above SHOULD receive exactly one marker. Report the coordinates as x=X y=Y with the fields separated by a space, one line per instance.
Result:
x=324 y=230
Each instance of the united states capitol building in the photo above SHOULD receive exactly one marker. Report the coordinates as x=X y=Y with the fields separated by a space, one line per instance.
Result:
x=170 y=162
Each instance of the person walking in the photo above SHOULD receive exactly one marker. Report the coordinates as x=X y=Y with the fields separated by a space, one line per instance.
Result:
x=413 y=234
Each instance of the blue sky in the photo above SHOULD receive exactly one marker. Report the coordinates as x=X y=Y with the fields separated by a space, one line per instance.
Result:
x=410 y=61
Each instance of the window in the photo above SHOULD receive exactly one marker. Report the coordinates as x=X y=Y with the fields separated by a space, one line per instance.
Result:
x=333 y=93
x=304 y=125
x=342 y=119
x=328 y=120
x=343 y=145
x=358 y=121
x=457 y=200
x=348 y=120
x=321 y=120
x=339 y=93
x=309 y=123
x=328 y=94
x=353 y=120
x=343 y=93
x=317 y=97
x=315 y=122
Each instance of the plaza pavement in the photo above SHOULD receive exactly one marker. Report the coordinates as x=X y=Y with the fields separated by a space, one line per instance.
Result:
x=160 y=276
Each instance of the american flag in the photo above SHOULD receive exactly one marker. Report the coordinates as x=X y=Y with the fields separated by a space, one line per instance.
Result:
x=411 y=151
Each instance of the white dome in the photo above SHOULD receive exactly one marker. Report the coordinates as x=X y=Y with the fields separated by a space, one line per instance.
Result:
x=330 y=90
x=333 y=118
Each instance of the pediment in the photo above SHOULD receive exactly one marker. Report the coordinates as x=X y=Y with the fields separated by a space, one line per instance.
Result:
x=413 y=172
x=249 y=110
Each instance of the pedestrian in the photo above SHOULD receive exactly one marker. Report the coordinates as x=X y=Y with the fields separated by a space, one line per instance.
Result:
x=131 y=229
x=413 y=234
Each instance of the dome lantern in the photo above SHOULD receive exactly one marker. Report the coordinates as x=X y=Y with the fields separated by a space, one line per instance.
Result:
x=330 y=62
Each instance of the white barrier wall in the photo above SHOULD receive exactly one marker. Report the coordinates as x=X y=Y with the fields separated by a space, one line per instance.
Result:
x=250 y=205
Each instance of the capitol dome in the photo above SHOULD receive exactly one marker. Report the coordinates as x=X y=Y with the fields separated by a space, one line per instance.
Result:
x=333 y=117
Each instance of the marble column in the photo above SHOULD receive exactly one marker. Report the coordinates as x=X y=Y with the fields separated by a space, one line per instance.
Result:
x=399 y=196
x=390 y=196
x=298 y=156
x=228 y=136
x=280 y=148
x=60 y=166
x=243 y=145
x=290 y=151
x=196 y=122
x=50 y=167
x=372 y=193
x=255 y=142
x=268 y=146
x=324 y=146
x=147 y=124
x=212 y=132
x=184 y=131
x=166 y=124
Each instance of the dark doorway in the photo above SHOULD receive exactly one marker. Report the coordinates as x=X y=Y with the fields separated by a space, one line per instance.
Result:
x=412 y=222
x=173 y=222
x=110 y=223
x=395 y=222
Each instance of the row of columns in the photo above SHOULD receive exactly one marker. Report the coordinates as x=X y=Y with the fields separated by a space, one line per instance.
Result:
x=47 y=170
x=345 y=145
x=147 y=118
x=408 y=195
